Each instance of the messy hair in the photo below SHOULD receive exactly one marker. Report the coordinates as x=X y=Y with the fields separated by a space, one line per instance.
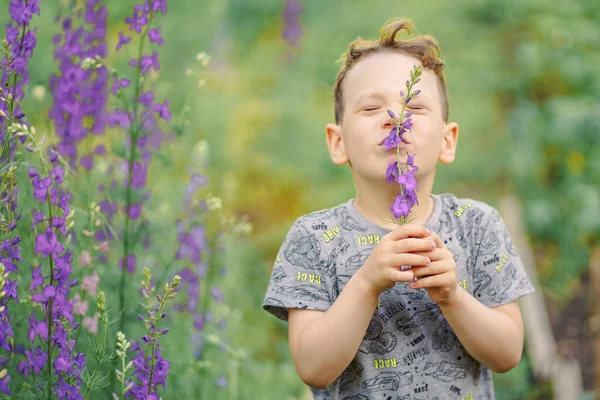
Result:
x=424 y=48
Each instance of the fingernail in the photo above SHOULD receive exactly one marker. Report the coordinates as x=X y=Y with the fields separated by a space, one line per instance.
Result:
x=427 y=231
x=412 y=284
x=432 y=244
x=428 y=261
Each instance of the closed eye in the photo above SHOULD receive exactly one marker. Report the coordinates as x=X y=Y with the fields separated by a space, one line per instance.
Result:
x=370 y=109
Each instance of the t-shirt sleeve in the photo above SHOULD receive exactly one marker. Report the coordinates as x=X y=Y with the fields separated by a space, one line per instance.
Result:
x=498 y=275
x=296 y=280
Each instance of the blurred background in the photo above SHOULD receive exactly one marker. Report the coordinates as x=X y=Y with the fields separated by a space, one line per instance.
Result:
x=524 y=87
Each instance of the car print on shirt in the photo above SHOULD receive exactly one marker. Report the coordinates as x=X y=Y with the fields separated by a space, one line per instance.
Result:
x=329 y=265
x=499 y=292
x=443 y=338
x=402 y=289
x=406 y=324
x=278 y=274
x=388 y=381
x=304 y=292
x=376 y=341
x=446 y=371
x=357 y=260
x=274 y=302
x=303 y=250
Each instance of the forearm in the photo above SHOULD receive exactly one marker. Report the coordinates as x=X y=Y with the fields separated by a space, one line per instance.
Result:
x=490 y=336
x=328 y=344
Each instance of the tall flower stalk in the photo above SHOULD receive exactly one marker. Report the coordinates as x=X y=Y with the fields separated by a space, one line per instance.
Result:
x=17 y=49
x=151 y=369
x=80 y=96
x=400 y=172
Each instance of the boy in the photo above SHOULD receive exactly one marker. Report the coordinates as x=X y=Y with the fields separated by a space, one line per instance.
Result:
x=359 y=326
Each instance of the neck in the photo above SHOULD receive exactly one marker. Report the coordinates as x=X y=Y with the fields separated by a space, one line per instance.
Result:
x=374 y=201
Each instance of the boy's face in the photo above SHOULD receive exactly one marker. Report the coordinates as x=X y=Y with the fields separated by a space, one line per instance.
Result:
x=372 y=87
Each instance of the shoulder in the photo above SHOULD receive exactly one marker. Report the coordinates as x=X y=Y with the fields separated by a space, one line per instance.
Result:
x=467 y=211
x=323 y=220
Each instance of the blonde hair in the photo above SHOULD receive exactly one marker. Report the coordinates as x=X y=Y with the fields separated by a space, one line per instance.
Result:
x=424 y=48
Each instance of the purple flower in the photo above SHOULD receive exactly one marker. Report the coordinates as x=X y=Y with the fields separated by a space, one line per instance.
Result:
x=160 y=5
x=146 y=62
x=221 y=381
x=41 y=186
x=407 y=179
x=292 y=31
x=36 y=359
x=401 y=207
x=146 y=99
x=155 y=36
x=6 y=333
x=47 y=243
x=80 y=96
x=138 y=20
x=4 y=385
x=39 y=328
x=123 y=39
x=87 y=162
x=217 y=294
x=36 y=278
x=192 y=244
x=392 y=172
x=163 y=110
x=393 y=139
x=131 y=261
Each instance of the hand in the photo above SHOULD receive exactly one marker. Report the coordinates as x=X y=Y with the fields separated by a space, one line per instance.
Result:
x=381 y=271
x=439 y=278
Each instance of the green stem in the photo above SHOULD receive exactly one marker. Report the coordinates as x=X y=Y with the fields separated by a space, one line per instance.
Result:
x=155 y=338
x=97 y=370
x=50 y=304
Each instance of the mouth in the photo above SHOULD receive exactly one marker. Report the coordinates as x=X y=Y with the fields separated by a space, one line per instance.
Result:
x=403 y=144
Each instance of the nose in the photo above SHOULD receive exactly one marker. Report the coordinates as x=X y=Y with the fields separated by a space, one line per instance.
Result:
x=388 y=122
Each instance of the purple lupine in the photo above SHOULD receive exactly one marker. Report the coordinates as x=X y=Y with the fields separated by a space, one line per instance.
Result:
x=149 y=366
x=62 y=359
x=399 y=172
x=80 y=96
x=14 y=76
x=292 y=31
x=21 y=50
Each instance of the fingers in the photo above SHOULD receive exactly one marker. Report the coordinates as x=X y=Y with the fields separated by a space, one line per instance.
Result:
x=438 y=281
x=400 y=276
x=398 y=260
x=434 y=268
x=408 y=230
x=411 y=245
x=436 y=238
x=434 y=255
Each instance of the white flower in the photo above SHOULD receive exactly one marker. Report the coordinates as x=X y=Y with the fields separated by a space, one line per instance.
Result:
x=214 y=203
x=38 y=92
x=203 y=58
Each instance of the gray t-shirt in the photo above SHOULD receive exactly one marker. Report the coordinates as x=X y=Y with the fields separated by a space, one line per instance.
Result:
x=409 y=351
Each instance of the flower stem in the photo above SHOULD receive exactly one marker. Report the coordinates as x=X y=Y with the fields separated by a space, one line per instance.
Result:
x=49 y=311
x=154 y=340
x=134 y=132
x=97 y=370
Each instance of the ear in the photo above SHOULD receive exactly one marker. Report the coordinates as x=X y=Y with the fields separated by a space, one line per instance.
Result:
x=335 y=144
x=449 y=143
